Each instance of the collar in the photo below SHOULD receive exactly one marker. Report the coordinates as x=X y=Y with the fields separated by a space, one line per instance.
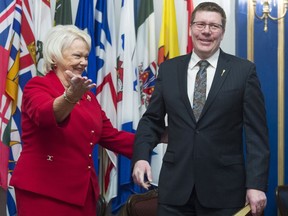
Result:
x=212 y=60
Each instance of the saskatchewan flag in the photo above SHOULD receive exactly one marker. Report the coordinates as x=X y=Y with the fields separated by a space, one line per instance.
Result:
x=63 y=13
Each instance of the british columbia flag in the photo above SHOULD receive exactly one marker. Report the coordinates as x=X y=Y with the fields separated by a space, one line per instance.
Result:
x=18 y=66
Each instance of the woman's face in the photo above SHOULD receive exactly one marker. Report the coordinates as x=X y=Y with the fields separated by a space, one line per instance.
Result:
x=75 y=58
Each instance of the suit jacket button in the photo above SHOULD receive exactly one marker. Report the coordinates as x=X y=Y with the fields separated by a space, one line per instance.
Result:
x=197 y=131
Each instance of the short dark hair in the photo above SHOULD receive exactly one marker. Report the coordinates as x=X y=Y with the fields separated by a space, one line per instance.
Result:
x=209 y=6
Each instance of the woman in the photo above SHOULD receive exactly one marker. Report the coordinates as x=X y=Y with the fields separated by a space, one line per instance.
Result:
x=61 y=123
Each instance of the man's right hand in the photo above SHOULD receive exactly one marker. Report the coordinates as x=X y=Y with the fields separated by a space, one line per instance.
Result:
x=142 y=168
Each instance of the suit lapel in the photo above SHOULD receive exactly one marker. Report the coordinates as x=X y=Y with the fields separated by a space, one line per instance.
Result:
x=182 y=83
x=222 y=70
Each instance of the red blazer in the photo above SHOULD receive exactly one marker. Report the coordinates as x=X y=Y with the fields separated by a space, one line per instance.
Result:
x=56 y=158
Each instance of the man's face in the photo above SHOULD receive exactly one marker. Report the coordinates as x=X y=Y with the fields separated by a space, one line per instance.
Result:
x=207 y=33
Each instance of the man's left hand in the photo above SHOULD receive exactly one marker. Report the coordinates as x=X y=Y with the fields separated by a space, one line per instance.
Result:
x=257 y=200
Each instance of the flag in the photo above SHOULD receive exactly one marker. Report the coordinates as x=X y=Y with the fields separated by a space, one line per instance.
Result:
x=6 y=21
x=43 y=21
x=105 y=41
x=128 y=96
x=27 y=69
x=23 y=69
x=63 y=13
x=189 y=37
x=167 y=49
x=128 y=87
x=85 y=21
x=184 y=9
x=10 y=51
x=146 y=51
x=168 y=42
x=10 y=28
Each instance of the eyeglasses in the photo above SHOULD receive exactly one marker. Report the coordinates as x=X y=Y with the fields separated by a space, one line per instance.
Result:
x=214 y=27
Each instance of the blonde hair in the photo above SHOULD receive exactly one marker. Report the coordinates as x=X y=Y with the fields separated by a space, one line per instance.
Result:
x=58 y=39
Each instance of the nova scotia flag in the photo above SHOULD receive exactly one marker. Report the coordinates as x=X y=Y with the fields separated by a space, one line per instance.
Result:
x=105 y=40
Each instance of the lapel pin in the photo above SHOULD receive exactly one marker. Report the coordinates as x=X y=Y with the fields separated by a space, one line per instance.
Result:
x=223 y=72
x=88 y=98
x=49 y=158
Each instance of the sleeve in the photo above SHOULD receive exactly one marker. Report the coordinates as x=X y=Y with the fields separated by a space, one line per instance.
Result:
x=256 y=134
x=117 y=141
x=37 y=102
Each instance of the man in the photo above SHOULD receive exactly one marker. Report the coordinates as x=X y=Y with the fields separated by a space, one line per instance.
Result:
x=205 y=170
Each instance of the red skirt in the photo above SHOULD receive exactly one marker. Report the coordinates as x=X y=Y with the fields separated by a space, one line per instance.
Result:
x=32 y=204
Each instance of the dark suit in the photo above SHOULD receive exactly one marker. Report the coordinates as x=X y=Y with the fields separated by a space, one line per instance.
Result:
x=208 y=155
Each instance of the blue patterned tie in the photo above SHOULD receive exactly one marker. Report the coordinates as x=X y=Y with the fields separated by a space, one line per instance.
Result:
x=200 y=89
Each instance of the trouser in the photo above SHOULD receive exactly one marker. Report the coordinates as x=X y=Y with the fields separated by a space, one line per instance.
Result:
x=193 y=208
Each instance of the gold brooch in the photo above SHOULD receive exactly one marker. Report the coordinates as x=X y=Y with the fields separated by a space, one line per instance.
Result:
x=49 y=157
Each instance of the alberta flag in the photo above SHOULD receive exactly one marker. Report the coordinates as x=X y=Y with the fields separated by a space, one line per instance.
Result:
x=105 y=41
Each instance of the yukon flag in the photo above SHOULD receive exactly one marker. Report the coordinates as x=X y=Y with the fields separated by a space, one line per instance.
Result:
x=105 y=41
x=146 y=51
x=43 y=21
x=128 y=97
x=168 y=42
x=147 y=66
x=168 y=48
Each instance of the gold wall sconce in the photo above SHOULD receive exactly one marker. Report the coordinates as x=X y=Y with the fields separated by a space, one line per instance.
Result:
x=266 y=11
